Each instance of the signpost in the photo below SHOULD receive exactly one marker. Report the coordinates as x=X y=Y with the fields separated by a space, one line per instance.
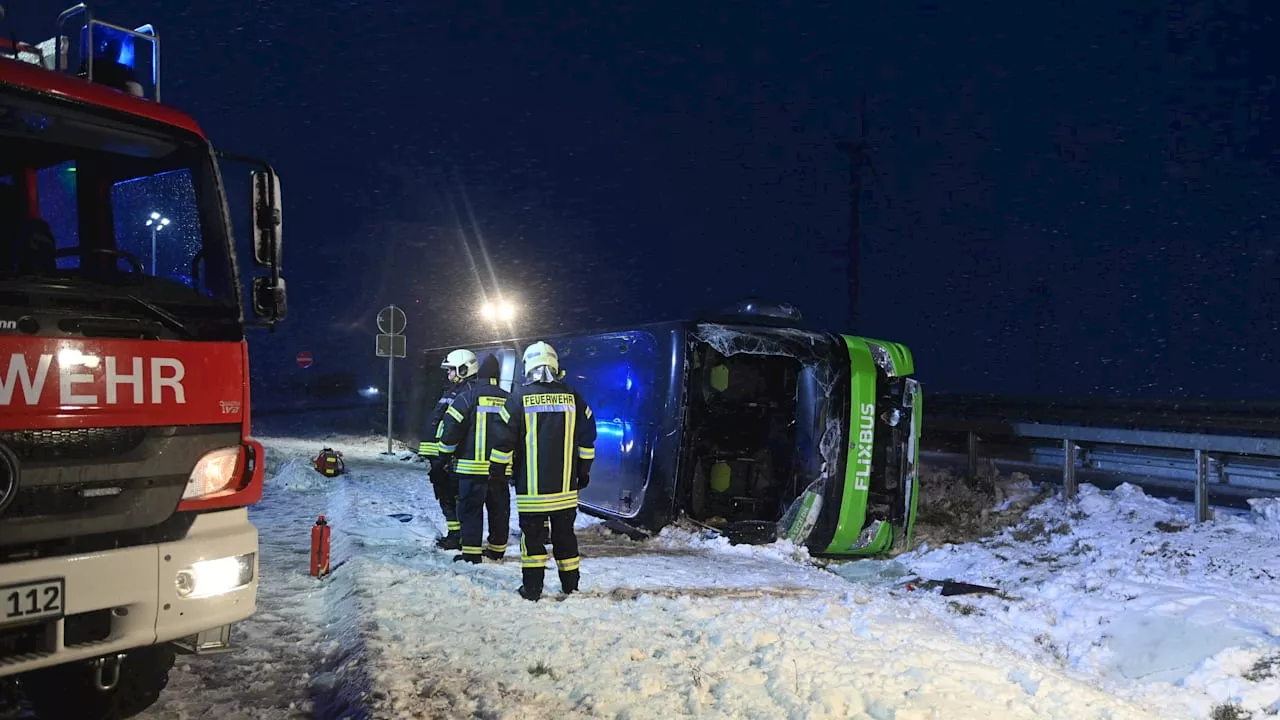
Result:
x=304 y=359
x=390 y=344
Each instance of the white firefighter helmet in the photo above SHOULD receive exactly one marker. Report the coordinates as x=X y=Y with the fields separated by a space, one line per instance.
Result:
x=463 y=362
x=539 y=355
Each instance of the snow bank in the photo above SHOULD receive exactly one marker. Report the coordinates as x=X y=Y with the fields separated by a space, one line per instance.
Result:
x=353 y=447
x=1127 y=590
x=297 y=475
x=1266 y=514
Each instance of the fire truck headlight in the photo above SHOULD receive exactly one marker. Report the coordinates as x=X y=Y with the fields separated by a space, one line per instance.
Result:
x=210 y=578
x=214 y=473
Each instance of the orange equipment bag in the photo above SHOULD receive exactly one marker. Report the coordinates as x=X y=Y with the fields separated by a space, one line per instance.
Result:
x=329 y=463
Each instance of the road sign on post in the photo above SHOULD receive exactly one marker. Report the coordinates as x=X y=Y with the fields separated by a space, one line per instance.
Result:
x=390 y=344
x=391 y=320
x=304 y=359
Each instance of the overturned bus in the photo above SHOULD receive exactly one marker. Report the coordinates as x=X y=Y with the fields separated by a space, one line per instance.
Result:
x=743 y=423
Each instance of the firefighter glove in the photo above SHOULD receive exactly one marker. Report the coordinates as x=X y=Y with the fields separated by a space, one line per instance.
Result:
x=497 y=472
x=438 y=463
x=439 y=473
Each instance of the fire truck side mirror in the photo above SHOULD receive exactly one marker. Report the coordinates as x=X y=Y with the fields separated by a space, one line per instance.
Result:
x=267 y=249
x=270 y=301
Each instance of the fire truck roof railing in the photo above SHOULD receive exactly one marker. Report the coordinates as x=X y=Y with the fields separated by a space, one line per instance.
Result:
x=105 y=54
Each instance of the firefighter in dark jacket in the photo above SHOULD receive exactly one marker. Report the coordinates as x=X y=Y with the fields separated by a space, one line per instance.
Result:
x=467 y=435
x=549 y=434
x=460 y=365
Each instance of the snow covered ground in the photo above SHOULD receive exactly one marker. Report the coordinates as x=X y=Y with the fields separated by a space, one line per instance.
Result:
x=1106 y=615
x=1127 y=590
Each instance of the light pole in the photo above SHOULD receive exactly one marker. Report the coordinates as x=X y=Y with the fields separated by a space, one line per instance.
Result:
x=156 y=223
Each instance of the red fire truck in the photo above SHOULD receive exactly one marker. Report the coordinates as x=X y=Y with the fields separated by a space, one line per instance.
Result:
x=126 y=465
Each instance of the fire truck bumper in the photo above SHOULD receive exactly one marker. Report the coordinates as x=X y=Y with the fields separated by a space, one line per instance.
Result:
x=189 y=591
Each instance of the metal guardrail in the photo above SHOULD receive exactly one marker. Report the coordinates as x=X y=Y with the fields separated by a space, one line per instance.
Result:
x=1223 y=449
x=1213 y=417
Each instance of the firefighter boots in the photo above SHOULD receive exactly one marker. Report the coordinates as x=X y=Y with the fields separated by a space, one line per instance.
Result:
x=569 y=581
x=452 y=541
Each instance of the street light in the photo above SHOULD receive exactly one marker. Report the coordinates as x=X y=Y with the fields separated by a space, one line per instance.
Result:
x=501 y=311
x=156 y=223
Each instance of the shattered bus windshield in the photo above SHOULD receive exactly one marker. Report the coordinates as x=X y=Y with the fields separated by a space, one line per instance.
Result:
x=87 y=201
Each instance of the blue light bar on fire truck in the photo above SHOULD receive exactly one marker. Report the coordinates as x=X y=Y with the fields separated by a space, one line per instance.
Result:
x=108 y=54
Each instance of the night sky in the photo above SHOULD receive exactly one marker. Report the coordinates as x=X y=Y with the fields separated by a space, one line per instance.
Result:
x=1068 y=199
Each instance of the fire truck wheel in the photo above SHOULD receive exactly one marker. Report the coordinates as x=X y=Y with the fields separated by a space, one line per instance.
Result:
x=67 y=691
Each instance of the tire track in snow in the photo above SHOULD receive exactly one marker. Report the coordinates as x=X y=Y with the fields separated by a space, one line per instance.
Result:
x=382 y=670
x=693 y=632
x=297 y=656
x=341 y=686
x=428 y=639
x=409 y=670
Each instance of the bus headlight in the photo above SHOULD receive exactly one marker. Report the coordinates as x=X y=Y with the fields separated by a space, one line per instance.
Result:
x=215 y=472
x=209 y=578
x=883 y=359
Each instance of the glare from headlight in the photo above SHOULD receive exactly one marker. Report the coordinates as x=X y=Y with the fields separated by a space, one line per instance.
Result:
x=210 y=578
x=213 y=473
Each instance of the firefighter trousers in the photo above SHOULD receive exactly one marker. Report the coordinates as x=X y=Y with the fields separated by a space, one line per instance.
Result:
x=533 y=550
x=445 y=485
x=478 y=496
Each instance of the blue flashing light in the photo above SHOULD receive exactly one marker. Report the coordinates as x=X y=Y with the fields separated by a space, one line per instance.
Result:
x=609 y=428
x=110 y=45
x=125 y=56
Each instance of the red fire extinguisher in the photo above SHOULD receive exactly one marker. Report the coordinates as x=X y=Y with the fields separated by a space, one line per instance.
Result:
x=320 y=548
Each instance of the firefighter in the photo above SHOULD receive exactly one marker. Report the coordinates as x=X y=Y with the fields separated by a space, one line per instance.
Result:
x=466 y=435
x=548 y=434
x=459 y=364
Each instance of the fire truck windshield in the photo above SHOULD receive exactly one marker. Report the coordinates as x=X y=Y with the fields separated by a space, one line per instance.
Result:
x=100 y=205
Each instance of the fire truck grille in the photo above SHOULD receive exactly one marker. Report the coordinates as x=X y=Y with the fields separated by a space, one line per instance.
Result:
x=76 y=444
x=70 y=500
x=101 y=487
